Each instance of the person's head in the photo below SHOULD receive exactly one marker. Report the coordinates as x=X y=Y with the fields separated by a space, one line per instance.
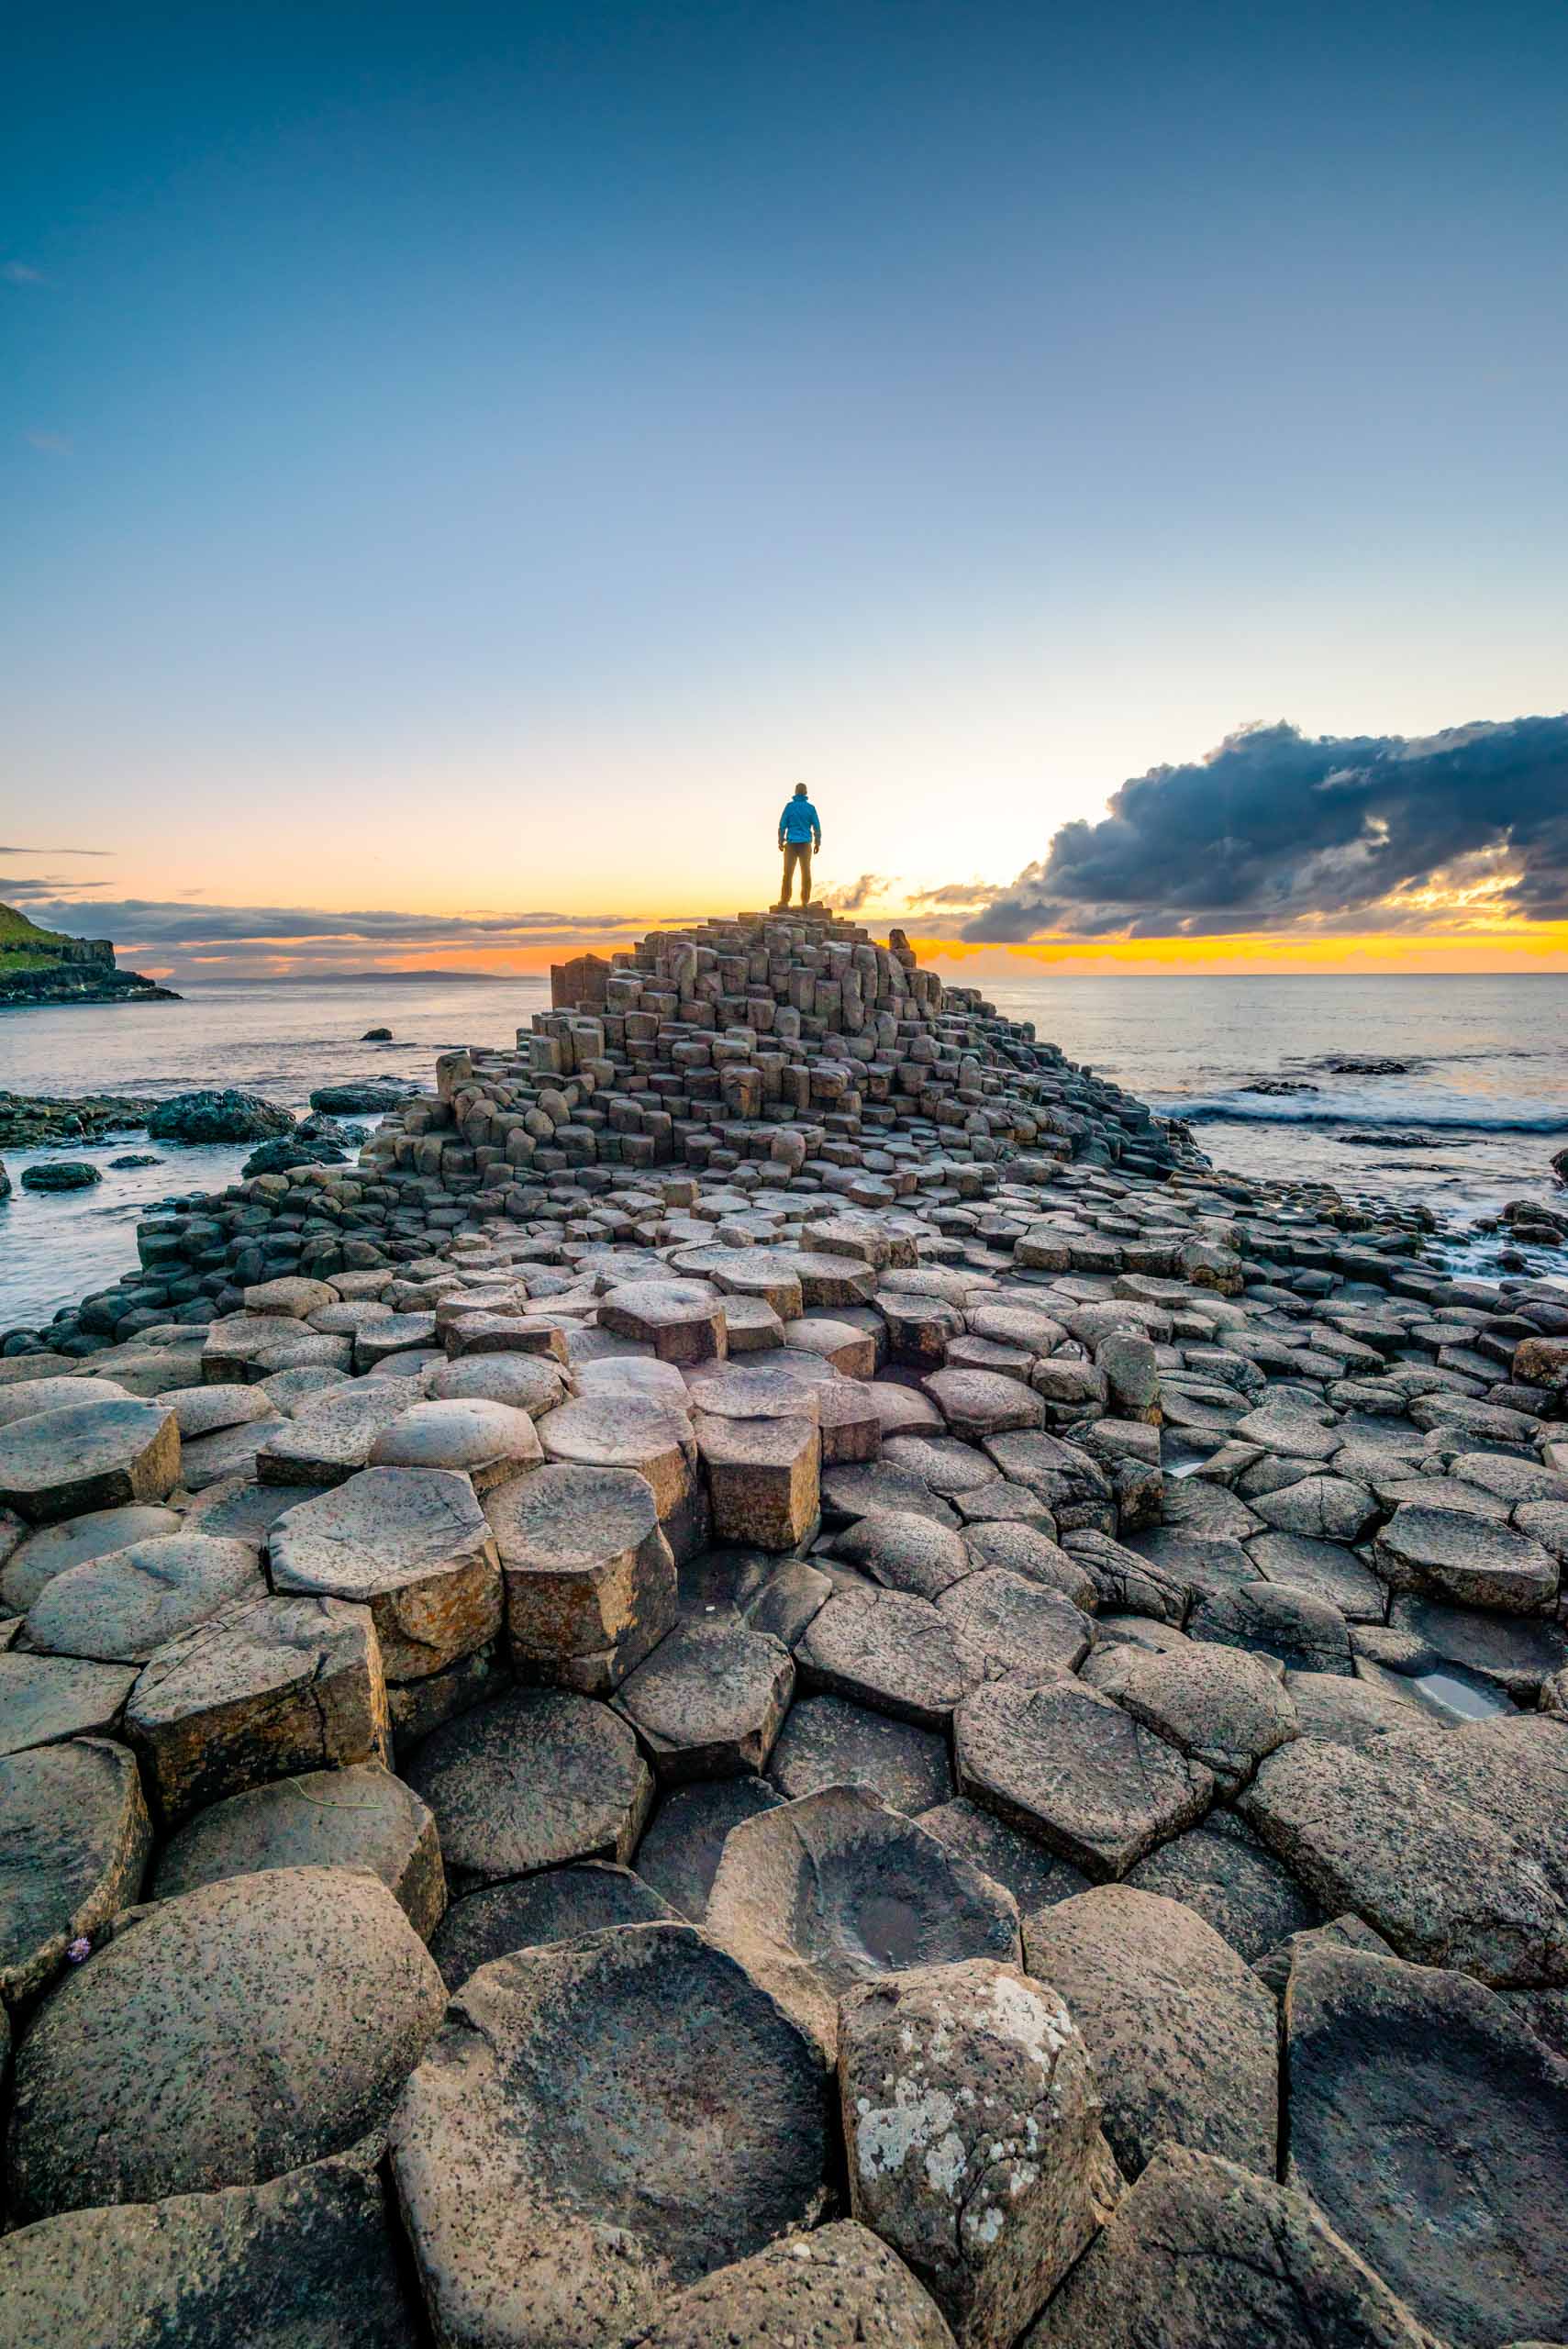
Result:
x=800 y=791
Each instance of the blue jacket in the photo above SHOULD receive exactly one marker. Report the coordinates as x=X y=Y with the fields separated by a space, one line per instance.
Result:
x=798 y=823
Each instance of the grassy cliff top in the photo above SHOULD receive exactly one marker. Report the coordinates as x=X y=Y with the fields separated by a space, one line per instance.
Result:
x=16 y=930
x=25 y=946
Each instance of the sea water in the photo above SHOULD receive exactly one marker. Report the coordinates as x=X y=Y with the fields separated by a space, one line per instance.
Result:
x=1484 y=1082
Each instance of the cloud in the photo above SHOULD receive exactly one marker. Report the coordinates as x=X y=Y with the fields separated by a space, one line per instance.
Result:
x=270 y=935
x=56 y=851
x=1276 y=830
x=854 y=895
x=16 y=272
x=53 y=444
x=959 y=894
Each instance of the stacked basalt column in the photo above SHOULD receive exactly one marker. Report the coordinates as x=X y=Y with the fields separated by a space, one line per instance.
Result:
x=800 y=1043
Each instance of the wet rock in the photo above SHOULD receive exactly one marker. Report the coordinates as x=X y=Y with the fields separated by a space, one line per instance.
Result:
x=62 y=1174
x=122 y=1608
x=1430 y=2126
x=532 y=1781
x=1306 y=1634
x=414 y=1546
x=361 y=1817
x=680 y=1853
x=828 y=1741
x=74 y=1837
x=1518 y=1653
x=1220 y=1871
x=211 y=1115
x=1466 y=1559
x=1324 y=1570
x=558 y=1905
x=1444 y=1883
x=1203 y=2251
x=1220 y=1705
x=709 y=1701
x=226 y=2037
x=308 y=2261
x=835 y=1888
x=264 y=1688
x=364 y=1098
x=1034 y=1877
x=598 y=2123
x=44 y=1699
x=837 y=2288
x=896 y=1653
x=86 y=1457
x=588 y=1577
x=971 y=2122
x=1068 y=1765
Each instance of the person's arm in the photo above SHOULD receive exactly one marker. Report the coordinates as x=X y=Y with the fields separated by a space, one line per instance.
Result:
x=816 y=834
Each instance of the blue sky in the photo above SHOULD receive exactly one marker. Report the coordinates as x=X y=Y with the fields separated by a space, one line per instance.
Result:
x=478 y=458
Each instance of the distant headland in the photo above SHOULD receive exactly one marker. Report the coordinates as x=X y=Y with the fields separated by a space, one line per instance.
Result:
x=43 y=966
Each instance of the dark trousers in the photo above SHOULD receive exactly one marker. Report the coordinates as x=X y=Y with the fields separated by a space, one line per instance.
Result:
x=797 y=853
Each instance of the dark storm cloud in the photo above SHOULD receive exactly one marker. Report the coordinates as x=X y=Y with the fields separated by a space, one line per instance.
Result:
x=1276 y=828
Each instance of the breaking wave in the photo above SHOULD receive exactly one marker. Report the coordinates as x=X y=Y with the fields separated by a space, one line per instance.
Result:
x=1425 y=1108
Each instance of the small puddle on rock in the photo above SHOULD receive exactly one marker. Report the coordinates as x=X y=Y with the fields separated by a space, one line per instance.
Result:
x=1456 y=1694
x=884 y=1930
x=1183 y=1458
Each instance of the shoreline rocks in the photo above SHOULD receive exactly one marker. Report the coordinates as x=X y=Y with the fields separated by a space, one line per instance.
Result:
x=1053 y=1617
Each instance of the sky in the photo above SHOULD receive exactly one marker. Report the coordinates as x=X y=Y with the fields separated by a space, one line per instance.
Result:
x=460 y=467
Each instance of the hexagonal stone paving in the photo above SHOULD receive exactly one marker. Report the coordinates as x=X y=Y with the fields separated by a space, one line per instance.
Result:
x=532 y=1781
x=414 y=1545
x=680 y=1853
x=597 y=2122
x=1468 y=1560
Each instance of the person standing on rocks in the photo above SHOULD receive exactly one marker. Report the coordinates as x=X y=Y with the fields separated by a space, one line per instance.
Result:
x=799 y=833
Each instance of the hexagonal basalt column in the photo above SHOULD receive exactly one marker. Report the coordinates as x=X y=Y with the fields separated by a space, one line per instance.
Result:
x=764 y=1478
x=682 y=1320
x=600 y=2121
x=532 y=1781
x=414 y=1545
x=262 y=1690
x=588 y=1577
x=710 y=1700
x=625 y=1431
x=835 y=1888
x=60 y=1463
